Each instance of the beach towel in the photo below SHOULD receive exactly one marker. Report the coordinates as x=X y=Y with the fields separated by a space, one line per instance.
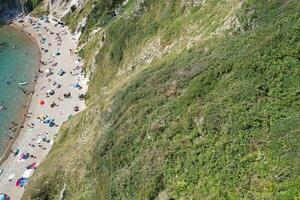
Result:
x=21 y=156
x=27 y=173
x=30 y=130
x=21 y=182
x=24 y=156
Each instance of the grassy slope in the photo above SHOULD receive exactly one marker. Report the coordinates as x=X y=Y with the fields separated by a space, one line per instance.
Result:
x=220 y=120
x=37 y=7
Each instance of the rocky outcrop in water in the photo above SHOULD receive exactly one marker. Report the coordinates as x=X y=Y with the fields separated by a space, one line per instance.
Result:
x=12 y=8
x=9 y=8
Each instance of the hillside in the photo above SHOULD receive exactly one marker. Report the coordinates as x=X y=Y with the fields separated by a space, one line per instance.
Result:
x=188 y=99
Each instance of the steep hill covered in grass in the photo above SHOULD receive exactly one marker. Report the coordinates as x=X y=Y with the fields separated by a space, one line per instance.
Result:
x=188 y=99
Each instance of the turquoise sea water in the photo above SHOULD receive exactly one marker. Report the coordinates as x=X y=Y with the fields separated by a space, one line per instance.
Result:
x=18 y=62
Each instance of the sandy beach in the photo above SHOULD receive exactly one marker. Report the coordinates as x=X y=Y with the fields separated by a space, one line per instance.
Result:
x=59 y=85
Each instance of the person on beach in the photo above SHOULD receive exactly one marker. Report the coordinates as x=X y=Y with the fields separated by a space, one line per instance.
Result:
x=16 y=152
x=30 y=125
x=12 y=129
x=31 y=145
x=11 y=177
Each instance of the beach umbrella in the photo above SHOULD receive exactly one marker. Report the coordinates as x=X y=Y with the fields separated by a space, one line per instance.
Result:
x=77 y=85
x=50 y=92
x=42 y=102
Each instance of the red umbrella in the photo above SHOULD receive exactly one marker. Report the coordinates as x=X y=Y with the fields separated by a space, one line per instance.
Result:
x=42 y=102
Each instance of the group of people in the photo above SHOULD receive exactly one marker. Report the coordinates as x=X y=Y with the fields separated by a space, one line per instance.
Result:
x=54 y=92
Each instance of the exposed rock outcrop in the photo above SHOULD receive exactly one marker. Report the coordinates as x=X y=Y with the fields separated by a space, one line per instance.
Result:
x=62 y=7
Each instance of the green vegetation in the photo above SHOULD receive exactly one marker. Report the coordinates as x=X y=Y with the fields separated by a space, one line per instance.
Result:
x=219 y=120
x=75 y=17
x=35 y=3
x=37 y=7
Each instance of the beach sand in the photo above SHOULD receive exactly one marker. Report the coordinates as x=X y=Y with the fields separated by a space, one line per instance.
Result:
x=68 y=62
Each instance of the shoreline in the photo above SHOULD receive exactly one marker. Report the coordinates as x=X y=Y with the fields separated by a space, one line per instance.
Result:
x=24 y=112
x=61 y=73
